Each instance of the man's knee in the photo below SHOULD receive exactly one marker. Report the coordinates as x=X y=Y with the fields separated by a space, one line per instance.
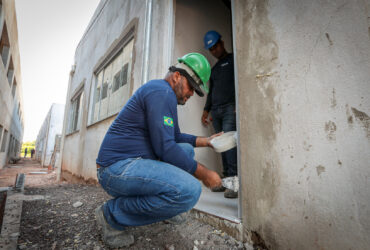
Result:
x=190 y=193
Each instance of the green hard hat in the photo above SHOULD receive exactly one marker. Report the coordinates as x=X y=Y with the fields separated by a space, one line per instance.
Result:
x=201 y=68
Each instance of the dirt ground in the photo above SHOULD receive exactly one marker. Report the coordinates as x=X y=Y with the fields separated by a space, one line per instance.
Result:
x=54 y=223
x=28 y=167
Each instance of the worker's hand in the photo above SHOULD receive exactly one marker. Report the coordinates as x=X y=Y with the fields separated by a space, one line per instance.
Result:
x=209 y=177
x=213 y=180
x=204 y=119
x=209 y=139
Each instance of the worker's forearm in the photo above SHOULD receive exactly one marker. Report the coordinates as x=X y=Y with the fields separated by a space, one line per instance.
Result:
x=202 y=141
x=206 y=141
x=200 y=172
x=209 y=177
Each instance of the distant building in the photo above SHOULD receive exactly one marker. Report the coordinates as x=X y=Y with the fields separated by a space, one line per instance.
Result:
x=11 y=96
x=303 y=103
x=49 y=136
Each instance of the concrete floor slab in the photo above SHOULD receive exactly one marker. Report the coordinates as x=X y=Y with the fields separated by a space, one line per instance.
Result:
x=214 y=203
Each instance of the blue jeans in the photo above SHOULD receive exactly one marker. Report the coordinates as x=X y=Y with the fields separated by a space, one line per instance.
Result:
x=147 y=191
x=224 y=119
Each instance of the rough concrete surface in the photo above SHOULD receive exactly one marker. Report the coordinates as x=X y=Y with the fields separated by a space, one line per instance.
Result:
x=56 y=222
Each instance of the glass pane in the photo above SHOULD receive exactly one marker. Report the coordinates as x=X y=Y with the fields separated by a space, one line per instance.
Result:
x=104 y=101
x=95 y=108
x=14 y=87
x=116 y=82
x=79 y=113
x=98 y=86
x=76 y=111
x=3 y=144
x=104 y=92
x=124 y=75
x=116 y=71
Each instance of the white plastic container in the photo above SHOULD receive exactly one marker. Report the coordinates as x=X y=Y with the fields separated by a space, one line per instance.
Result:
x=224 y=142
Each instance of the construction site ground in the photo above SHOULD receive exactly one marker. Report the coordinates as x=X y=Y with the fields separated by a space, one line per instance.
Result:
x=56 y=222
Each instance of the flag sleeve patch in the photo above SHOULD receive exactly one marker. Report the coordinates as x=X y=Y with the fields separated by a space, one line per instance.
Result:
x=167 y=121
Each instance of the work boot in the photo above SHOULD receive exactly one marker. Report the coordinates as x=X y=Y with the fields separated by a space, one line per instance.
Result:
x=177 y=220
x=230 y=194
x=112 y=237
x=218 y=189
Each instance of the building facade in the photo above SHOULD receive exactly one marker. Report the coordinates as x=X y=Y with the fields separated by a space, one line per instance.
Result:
x=303 y=101
x=48 y=135
x=11 y=96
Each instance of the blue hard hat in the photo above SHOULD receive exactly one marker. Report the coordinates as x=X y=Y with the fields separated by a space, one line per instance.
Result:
x=211 y=38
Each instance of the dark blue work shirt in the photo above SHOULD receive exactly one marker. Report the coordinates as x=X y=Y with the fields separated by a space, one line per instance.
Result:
x=221 y=84
x=147 y=127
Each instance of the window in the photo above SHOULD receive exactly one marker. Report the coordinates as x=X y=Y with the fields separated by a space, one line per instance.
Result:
x=111 y=89
x=75 y=112
x=14 y=87
x=3 y=144
x=4 y=45
x=1 y=7
x=1 y=132
x=10 y=72
x=11 y=144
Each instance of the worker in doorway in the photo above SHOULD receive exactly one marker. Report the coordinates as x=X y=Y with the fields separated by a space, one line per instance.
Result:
x=221 y=102
x=25 y=152
x=145 y=162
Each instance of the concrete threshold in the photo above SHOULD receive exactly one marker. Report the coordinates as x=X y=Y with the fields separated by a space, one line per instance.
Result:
x=232 y=228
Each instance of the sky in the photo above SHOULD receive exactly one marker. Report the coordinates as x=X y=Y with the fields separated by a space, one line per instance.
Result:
x=48 y=34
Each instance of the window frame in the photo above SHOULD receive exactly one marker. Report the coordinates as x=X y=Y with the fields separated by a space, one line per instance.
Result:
x=75 y=118
x=4 y=141
x=14 y=87
x=115 y=50
x=5 y=44
x=1 y=134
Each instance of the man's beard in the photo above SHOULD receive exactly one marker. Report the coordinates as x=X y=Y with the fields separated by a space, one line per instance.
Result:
x=179 y=94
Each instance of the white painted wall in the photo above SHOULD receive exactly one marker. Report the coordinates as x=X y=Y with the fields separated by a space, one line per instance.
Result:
x=51 y=126
x=192 y=20
x=55 y=128
x=304 y=98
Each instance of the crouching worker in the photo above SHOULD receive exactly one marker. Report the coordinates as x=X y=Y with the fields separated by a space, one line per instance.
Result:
x=145 y=162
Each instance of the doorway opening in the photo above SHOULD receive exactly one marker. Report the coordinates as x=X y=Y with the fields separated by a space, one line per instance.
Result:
x=192 y=20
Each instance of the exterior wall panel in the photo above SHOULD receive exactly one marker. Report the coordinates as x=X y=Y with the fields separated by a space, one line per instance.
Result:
x=304 y=117
x=11 y=105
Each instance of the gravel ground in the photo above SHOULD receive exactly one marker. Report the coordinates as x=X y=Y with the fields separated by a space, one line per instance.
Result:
x=54 y=223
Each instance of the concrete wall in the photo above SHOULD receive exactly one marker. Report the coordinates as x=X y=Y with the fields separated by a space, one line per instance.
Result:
x=11 y=108
x=109 y=23
x=191 y=24
x=303 y=95
x=51 y=127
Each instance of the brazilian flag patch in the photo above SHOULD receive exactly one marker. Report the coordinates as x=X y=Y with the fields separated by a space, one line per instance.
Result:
x=167 y=121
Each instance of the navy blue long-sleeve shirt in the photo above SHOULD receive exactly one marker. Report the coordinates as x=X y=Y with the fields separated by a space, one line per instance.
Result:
x=221 y=84
x=147 y=127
